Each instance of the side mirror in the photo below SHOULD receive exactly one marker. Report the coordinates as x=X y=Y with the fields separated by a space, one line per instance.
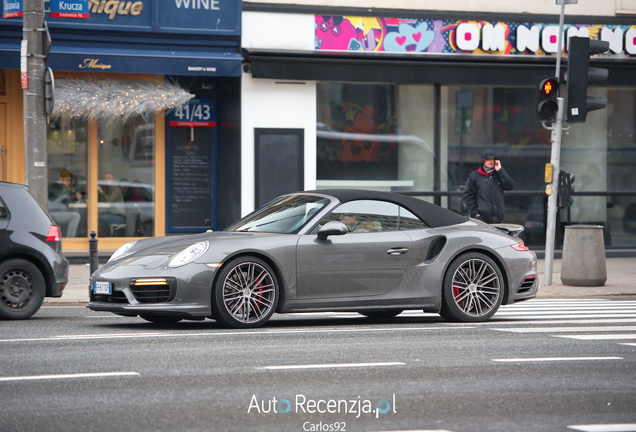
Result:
x=332 y=228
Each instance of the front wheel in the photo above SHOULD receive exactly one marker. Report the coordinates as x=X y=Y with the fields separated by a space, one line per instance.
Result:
x=245 y=293
x=472 y=290
x=21 y=289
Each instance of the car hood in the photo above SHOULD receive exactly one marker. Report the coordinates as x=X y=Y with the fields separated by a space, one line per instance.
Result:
x=221 y=244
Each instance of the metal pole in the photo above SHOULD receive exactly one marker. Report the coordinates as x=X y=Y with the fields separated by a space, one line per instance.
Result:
x=555 y=160
x=557 y=72
x=35 y=154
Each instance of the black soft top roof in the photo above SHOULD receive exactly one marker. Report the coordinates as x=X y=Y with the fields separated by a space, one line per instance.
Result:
x=434 y=215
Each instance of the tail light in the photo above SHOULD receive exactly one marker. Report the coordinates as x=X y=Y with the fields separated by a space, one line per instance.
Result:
x=55 y=234
x=520 y=247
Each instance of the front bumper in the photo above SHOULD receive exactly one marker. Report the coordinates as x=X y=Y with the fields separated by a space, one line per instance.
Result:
x=184 y=292
x=182 y=310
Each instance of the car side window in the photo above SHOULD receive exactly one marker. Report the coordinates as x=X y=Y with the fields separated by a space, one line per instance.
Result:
x=408 y=221
x=366 y=216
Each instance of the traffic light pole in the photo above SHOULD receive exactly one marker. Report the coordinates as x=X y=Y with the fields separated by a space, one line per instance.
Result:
x=555 y=160
x=33 y=101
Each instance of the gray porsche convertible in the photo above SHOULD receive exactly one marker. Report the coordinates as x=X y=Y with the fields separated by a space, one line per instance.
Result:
x=374 y=253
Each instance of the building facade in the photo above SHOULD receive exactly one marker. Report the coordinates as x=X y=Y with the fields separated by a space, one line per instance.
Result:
x=407 y=99
x=143 y=139
x=282 y=96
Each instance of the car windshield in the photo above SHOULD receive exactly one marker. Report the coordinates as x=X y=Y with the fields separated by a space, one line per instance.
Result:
x=284 y=215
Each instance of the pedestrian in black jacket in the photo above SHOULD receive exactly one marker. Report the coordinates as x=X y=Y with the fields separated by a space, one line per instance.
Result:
x=484 y=189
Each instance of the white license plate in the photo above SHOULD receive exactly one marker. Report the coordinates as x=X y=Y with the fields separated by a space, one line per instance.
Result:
x=100 y=287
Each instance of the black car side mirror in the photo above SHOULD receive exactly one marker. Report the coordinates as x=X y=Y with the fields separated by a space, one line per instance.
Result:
x=332 y=228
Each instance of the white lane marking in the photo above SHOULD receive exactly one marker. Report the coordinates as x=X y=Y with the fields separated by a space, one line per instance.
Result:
x=419 y=430
x=600 y=337
x=69 y=376
x=83 y=337
x=331 y=366
x=568 y=307
x=228 y=333
x=506 y=321
x=625 y=427
x=565 y=312
x=556 y=317
x=544 y=359
x=566 y=329
x=628 y=344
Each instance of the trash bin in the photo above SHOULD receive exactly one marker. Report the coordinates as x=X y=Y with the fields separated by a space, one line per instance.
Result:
x=583 y=261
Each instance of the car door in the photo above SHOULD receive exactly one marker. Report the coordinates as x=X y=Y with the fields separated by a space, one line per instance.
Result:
x=369 y=260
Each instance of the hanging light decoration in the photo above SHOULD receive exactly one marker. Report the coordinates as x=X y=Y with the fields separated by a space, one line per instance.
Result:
x=111 y=100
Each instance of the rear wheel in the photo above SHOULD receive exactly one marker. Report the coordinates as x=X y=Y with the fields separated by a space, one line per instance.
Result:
x=21 y=289
x=382 y=314
x=160 y=319
x=473 y=289
x=245 y=293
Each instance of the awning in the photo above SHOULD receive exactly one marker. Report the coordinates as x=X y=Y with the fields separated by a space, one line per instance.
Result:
x=407 y=68
x=96 y=60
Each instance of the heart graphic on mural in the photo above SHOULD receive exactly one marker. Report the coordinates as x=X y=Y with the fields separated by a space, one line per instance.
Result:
x=409 y=39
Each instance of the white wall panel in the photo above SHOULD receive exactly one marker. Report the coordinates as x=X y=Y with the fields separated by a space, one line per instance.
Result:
x=278 y=31
x=275 y=104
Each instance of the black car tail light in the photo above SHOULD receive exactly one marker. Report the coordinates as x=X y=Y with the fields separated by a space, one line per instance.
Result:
x=55 y=234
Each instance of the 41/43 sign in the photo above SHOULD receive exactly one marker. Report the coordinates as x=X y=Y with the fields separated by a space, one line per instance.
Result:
x=196 y=113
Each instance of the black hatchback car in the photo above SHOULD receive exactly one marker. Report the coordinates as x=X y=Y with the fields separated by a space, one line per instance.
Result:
x=31 y=262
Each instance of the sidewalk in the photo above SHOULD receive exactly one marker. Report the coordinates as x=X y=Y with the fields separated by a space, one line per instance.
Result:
x=621 y=282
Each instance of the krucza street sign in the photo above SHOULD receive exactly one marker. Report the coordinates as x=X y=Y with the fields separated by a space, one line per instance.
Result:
x=59 y=9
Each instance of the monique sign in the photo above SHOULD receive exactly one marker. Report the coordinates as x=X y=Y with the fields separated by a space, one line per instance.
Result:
x=461 y=37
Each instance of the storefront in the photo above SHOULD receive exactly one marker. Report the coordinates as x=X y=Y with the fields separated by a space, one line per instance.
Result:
x=143 y=140
x=408 y=103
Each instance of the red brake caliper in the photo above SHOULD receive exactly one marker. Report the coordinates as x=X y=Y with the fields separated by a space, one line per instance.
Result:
x=456 y=291
x=258 y=293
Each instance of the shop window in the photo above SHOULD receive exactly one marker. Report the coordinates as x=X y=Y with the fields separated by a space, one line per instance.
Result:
x=67 y=147
x=126 y=153
x=376 y=136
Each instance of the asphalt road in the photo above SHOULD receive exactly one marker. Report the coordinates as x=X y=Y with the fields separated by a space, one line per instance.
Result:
x=545 y=365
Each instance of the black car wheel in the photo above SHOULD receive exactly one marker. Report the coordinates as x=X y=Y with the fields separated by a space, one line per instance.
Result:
x=21 y=289
x=473 y=289
x=381 y=314
x=160 y=319
x=245 y=293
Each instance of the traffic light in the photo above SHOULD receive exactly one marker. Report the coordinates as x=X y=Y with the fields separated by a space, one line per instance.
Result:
x=547 y=92
x=580 y=76
x=566 y=189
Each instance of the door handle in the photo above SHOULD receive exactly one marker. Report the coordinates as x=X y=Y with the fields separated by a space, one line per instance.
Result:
x=397 y=251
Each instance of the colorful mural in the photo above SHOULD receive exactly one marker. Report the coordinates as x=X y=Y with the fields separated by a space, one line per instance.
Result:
x=349 y=33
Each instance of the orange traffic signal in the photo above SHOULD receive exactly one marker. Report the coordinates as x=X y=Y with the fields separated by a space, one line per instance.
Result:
x=546 y=105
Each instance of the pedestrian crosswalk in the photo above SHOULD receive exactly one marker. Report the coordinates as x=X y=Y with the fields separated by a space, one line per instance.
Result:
x=579 y=319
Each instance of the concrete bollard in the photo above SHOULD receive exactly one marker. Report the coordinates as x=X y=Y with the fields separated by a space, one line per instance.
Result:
x=93 y=258
x=583 y=262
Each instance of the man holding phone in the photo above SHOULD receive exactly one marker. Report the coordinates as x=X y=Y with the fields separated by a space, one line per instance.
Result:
x=483 y=194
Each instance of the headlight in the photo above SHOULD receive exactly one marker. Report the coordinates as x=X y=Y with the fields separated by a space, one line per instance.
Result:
x=122 y=251
x=189 y=254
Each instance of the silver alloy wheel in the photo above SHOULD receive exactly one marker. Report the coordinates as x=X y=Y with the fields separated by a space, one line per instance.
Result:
x=249 y=292
x=476 y=287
